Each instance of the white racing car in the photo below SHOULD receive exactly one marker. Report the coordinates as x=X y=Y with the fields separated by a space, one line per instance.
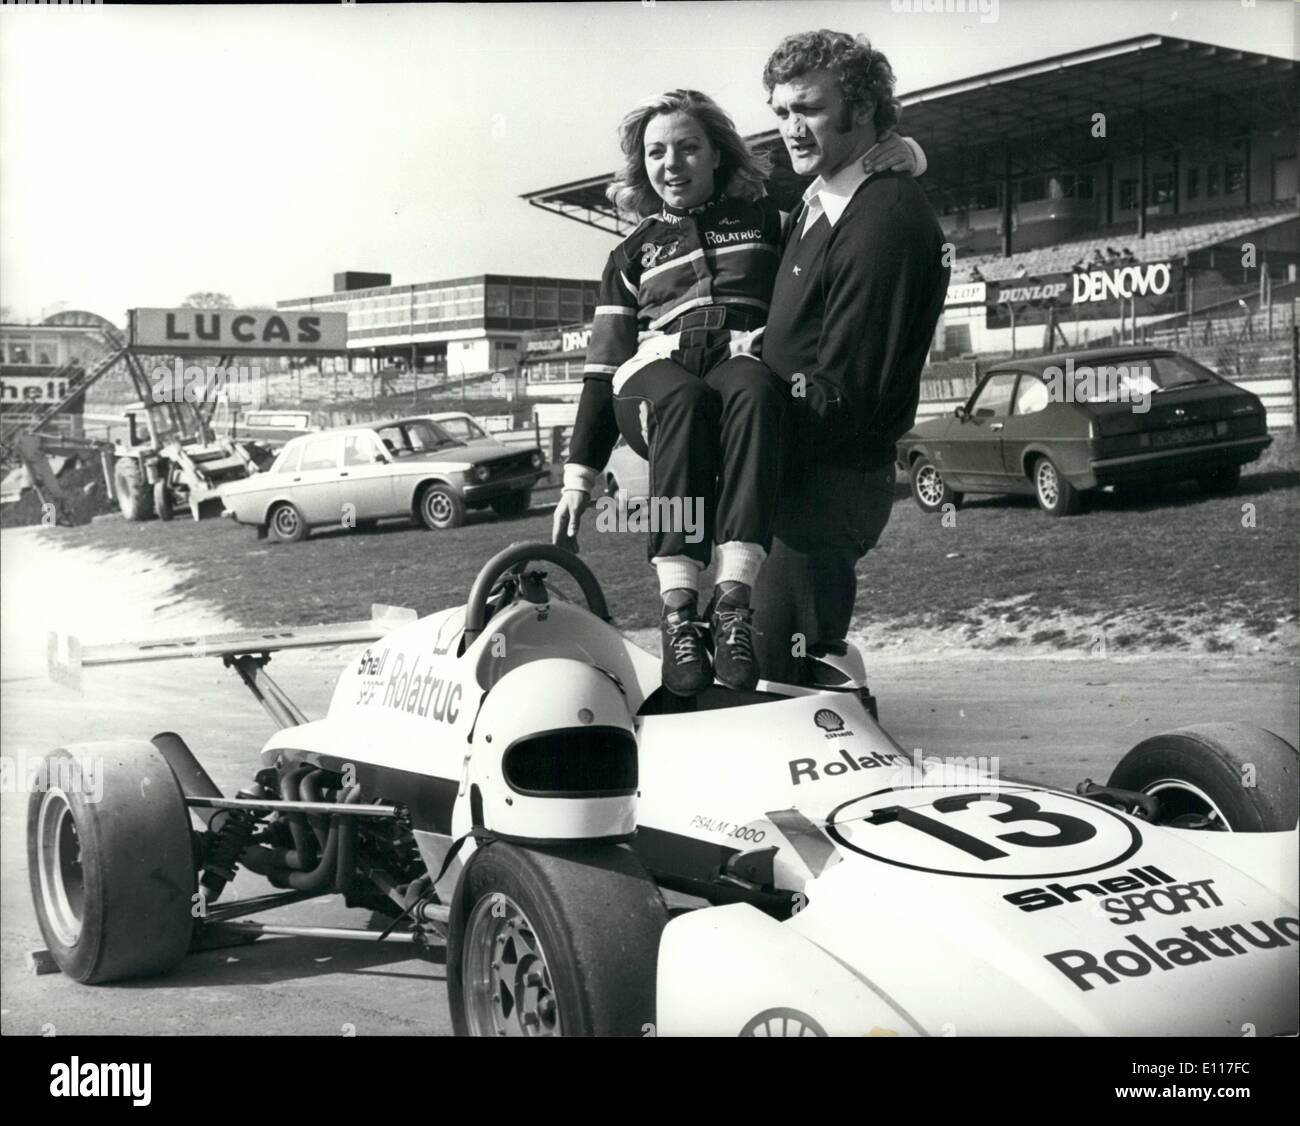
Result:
x=507 y=777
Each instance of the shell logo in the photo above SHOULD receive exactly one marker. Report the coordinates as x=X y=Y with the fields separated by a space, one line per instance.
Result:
x=828 y=720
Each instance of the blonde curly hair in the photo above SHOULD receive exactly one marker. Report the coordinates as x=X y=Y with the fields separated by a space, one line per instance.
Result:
x=741 y=171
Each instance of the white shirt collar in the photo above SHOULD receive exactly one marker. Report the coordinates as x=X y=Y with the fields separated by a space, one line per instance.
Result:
x=831 y=195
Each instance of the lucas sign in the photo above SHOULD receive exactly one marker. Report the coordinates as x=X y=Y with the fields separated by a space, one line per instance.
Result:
x=263 y=332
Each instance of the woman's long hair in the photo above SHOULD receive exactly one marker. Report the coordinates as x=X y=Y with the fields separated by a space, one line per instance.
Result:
x=740 y=172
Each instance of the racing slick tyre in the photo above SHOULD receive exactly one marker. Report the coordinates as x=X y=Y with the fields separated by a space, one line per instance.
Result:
x=441 y=508
x=1221 y=481
x=162 y=503
x=1055 y=495
x=930 y=491
x=555 y=941
x=112 y=874
x=514 y=504
x=286 y=524
x=133 y=495
x=1224 y=776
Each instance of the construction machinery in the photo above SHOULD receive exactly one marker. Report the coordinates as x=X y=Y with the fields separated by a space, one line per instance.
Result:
x=172 y=458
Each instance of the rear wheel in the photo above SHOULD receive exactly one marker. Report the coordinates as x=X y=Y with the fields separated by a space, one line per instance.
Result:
x=930 y=491
x=134 y=497
x=513 y=504
x=1224 y=776
x=111 y=863
x=560 y=942
x=1056 y=496
x=1220 y=481
x=441 y=508
x=286 y=523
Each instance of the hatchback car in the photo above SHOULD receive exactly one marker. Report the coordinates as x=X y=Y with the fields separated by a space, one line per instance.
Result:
x=1055 y=427
x=408 y=467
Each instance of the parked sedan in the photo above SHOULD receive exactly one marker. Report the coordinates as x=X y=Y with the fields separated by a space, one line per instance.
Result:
x=1055 y=427
x=408 y=467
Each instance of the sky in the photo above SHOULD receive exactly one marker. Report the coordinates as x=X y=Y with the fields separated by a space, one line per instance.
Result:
x=147 y=152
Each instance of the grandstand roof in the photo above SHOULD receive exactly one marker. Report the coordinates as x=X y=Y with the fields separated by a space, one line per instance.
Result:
x=1153 y=89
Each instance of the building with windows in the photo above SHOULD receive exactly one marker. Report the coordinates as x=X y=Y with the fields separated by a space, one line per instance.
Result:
x=461 y=326
x=41 y=363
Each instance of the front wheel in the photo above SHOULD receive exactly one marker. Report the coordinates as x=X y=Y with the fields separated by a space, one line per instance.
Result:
x=441 y=508
x=1056 y=496
x=111 y=863
x=134 y=497
x=930 y=491
x=554 y=942
x=286 y=523
x=1221 y=776
x=162 y=502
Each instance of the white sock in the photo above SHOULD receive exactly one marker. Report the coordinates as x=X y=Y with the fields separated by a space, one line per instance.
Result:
x=739 y=562
x=677 y=572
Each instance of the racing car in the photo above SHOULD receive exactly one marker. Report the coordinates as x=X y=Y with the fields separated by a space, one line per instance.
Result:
x=508 y=779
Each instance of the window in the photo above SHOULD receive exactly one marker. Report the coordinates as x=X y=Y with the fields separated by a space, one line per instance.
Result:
x=1234 y=178
x=288 y=461
x=547 y=307
x=320 y=453
x=498 y=301
x=463 y=429
x=1031 y=396
x=19 y=353
x=521 y=302
x=1211 y=180
x=1193 y=183
x=570 y=304
x=1162 y=188
x=1128 y=195
x=994 y=398
x=359 y=449
x=1076 y=187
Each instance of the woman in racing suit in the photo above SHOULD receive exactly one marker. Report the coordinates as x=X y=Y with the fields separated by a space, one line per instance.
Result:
x=671 y=365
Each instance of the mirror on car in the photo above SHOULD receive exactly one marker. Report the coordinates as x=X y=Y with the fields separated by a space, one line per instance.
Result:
x=960 y=412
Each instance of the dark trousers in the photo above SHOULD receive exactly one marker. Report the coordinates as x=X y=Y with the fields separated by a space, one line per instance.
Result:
x=827 y=519
x=715 y=440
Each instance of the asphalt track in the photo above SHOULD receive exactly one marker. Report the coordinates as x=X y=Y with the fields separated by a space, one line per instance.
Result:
x=1046 y=719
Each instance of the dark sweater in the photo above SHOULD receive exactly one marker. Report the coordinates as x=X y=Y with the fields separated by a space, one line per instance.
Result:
x=854 y=310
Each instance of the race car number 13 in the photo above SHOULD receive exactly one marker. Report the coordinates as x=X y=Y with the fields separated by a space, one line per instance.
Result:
x=1069 y=830
x=949 y=834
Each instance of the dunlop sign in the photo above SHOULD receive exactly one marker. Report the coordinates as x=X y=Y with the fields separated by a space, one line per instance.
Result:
x=1151 y=288
x=262 y=332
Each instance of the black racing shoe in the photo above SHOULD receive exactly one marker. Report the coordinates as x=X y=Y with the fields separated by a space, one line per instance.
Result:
x=687 y=669
x=733 y=644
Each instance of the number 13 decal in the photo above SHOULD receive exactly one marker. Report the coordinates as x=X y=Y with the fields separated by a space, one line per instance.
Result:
x=1069 y=830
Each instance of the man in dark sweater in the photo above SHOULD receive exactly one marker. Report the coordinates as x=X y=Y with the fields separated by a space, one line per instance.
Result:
x=859 y=291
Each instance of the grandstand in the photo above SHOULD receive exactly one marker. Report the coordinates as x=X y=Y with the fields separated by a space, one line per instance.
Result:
x=1151 y=151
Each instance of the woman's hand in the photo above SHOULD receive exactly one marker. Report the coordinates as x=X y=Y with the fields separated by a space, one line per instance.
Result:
x=890 y=153
x=568 y=515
